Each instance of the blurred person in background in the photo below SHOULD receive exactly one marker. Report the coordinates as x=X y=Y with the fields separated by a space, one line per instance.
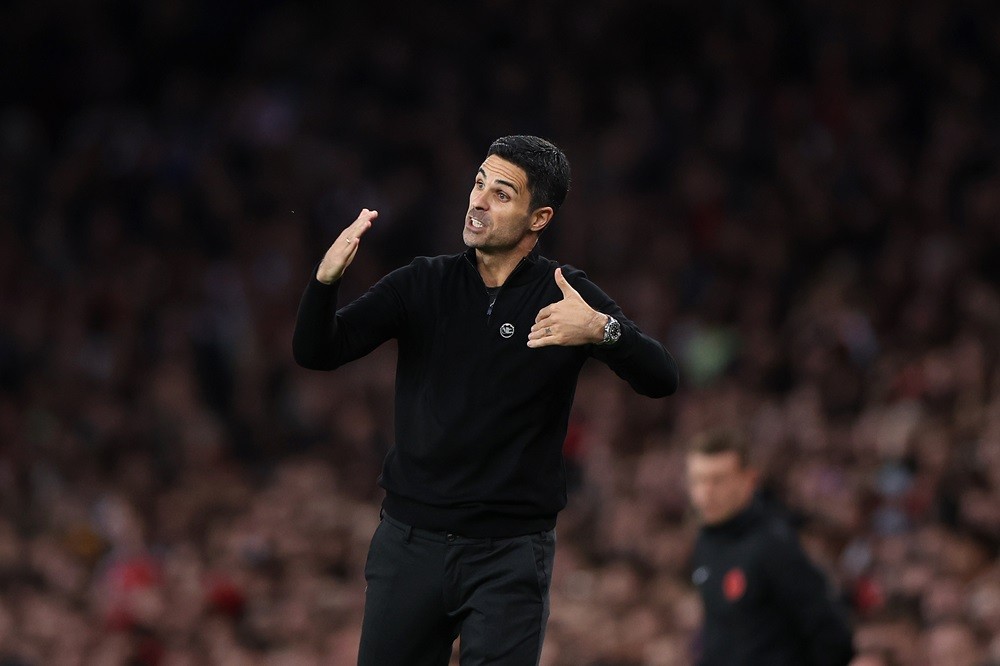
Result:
x=765 y=603
x=952 y=643
x=491 y=343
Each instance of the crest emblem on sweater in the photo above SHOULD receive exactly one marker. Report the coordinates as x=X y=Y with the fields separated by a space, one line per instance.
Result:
x=507 y=330
x=700 y=575
x=734 y=584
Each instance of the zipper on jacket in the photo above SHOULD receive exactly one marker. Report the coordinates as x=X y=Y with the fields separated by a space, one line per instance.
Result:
x=489 y=308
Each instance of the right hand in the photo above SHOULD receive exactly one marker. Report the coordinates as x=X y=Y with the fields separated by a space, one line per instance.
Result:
x=341 y=253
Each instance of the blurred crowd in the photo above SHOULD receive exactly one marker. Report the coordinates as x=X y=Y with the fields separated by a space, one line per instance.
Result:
x=801 y=199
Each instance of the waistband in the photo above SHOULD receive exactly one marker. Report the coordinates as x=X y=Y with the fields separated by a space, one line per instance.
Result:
x=444 y=537
x=480 y=520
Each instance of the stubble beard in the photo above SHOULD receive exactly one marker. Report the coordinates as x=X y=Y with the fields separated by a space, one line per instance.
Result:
x=487 y=244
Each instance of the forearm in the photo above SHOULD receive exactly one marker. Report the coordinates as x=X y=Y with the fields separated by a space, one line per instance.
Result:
x=641 y=361
x=316 y=326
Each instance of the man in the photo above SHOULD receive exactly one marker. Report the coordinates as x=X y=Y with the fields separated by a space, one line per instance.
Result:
x=765 y=603
x=491 y=342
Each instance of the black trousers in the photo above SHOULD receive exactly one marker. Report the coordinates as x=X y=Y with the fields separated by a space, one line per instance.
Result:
x=427 y=588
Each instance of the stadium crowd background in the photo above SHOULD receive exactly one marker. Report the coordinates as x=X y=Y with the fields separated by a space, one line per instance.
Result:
x=802 y=199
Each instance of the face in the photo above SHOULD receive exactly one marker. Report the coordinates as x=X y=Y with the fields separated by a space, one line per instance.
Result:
x=500 y=219
x=719 y=485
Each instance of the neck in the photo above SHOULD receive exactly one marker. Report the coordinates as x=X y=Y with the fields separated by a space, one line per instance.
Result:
x=734 y=518
x=496 y=268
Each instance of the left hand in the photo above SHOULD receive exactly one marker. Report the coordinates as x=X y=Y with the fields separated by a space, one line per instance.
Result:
x=568 y=322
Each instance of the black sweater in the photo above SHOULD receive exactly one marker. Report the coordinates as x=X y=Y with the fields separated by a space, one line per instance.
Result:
x=480 y=417
x=765 y=603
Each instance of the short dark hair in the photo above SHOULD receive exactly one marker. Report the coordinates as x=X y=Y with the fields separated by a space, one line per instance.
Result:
x=719 y=441
x=545 y=165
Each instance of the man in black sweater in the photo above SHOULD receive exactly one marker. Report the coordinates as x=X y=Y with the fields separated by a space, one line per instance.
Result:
x=491 y=342
x=765 y=603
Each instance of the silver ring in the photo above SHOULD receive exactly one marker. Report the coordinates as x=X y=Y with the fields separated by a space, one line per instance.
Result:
x=349 y=240
x=548 y=331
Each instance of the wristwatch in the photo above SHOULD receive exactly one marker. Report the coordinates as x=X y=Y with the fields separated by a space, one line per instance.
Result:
x=612 y=331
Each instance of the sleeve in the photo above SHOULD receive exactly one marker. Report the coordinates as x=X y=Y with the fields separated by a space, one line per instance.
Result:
x=801 y=588
x=637 y=358
x=326 y=338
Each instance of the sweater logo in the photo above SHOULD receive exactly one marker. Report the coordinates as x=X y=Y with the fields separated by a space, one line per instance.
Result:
x=734 y=584
x=507 y=330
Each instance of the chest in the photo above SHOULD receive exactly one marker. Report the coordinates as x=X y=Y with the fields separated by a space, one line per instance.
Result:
x=730 y=575
x=467 y=320
x=465 y=349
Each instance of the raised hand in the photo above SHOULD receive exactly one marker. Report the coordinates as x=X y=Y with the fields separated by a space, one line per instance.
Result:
x=341 y=253
x=567 y=322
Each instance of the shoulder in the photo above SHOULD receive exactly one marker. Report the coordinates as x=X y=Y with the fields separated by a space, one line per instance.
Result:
x=579 y=279
x=779 y=544
x=570 y=272
x=773 y=528
x=764 y=531
x=778 y=529
x=440 y=261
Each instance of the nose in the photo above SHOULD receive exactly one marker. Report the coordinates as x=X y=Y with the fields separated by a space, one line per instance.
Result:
x=478 y=199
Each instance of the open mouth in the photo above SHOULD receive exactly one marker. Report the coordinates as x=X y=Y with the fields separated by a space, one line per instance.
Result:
x=475 y=223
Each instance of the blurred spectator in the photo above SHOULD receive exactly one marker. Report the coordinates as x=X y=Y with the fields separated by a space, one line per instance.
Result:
x=765 y=602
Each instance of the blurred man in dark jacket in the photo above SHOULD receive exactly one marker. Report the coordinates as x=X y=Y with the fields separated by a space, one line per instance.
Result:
x=765 y=603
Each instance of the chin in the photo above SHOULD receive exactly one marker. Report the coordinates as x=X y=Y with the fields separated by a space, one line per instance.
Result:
x=712 y=518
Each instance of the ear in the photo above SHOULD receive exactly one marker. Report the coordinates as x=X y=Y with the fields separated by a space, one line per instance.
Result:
x=540 y=218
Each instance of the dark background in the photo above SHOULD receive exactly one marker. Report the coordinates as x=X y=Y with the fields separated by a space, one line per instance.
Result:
x=801 y=199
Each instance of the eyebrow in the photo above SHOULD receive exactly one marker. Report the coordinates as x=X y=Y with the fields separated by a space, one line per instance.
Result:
x=502 y=182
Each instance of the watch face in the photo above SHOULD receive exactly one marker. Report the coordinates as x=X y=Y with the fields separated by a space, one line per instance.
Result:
x=612 y=331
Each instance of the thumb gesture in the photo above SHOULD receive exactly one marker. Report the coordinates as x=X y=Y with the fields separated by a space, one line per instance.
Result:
x=565 y=287
x=567 y=322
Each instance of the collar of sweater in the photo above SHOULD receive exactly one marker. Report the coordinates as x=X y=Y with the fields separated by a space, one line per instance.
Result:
x=530 y=268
